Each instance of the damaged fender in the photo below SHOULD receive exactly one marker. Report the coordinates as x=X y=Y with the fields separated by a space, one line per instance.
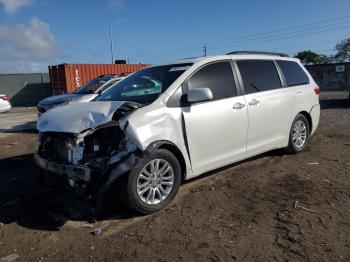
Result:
x=149 y=125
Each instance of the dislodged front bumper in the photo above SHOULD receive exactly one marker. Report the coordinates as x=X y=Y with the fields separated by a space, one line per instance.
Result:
x=90 y=180
x=76 y=175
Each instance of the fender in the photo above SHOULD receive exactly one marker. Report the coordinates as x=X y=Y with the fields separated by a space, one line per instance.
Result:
x=157 y=144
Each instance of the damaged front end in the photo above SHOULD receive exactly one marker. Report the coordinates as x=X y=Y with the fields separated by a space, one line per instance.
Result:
x=85 y=160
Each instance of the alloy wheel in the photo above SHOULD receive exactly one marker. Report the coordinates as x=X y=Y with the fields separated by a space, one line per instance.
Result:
x=155 y=181
x=299 y=133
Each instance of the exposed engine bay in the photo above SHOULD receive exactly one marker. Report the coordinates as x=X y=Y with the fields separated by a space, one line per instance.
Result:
x=103 y=141
x=84 y=157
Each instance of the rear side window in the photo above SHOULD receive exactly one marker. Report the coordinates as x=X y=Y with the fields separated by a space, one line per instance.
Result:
x=293 y=73
x=218 y=77
x=259 y=75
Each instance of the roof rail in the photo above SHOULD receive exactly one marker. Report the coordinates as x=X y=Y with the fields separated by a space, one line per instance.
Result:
x=256 y=53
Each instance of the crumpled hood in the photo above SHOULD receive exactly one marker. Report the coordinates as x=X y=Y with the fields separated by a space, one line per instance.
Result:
x=78 y=117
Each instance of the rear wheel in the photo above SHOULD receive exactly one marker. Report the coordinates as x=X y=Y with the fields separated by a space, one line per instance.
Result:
x=299 y=134
x=154 y=185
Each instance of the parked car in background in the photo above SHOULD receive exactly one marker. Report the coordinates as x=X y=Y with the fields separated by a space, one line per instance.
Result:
x=86 y=93
x=172 y=122
x=5 y=104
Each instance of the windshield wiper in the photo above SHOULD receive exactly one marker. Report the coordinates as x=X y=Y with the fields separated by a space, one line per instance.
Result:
x=257 y=89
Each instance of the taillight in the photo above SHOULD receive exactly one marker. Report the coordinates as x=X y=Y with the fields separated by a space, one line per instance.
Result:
x=317 y=90
x=4 y=98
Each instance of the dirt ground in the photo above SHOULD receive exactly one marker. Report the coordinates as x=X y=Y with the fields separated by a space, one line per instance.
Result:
x=275 y=207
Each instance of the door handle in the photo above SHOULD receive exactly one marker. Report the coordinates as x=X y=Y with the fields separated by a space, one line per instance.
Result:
x=238 y=105
x=254 y=102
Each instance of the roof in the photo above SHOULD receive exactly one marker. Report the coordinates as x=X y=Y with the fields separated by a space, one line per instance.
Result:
x=234 y=55
x=184 y=61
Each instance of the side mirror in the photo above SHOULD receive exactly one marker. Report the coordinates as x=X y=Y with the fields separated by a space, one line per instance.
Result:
x=199 y=95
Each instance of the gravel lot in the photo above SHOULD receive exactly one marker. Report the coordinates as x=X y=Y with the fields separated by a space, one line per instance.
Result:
x=274 y=207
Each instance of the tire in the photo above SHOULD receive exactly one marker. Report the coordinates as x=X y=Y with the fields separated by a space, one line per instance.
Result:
x=299 y=135
x=164 y=187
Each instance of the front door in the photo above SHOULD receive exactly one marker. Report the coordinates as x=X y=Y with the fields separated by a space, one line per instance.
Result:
x=216 y=130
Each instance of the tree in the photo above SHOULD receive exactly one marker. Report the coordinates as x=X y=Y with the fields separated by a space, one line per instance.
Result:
x=343 y=51
x=309 y=57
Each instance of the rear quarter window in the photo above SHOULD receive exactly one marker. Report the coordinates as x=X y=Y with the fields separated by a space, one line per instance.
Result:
x=293 y=73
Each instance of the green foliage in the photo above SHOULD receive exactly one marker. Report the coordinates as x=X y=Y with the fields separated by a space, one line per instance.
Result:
x=309 y=57
x=343 y=51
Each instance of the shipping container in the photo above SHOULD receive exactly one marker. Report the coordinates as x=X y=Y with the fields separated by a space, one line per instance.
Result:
x=66 y=78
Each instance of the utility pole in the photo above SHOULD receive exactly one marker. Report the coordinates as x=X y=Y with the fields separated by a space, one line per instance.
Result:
x=205 y=50
x=111 y=39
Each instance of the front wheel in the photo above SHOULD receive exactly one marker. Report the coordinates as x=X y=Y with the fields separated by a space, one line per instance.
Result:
x=299 y=134
x=154 y=185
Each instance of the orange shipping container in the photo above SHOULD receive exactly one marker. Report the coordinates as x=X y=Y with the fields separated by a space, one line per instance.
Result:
x=66 y=78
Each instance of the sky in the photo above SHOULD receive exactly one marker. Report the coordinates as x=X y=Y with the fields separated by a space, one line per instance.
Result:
x=37 y=33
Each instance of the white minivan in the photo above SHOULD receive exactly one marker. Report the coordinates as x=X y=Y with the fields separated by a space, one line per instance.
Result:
x=172 y=122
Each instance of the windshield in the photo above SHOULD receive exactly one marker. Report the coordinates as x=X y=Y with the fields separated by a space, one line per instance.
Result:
x=144 y=86
x=92 y=86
